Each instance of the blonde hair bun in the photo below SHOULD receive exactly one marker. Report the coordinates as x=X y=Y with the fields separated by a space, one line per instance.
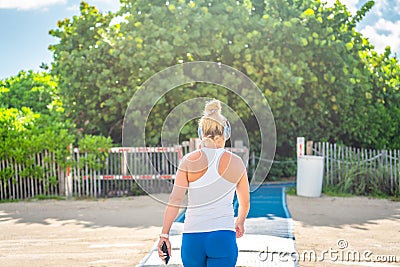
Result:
x=212 y=107
x=213 y=123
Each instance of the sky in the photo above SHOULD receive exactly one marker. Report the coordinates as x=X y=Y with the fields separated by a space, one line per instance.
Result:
x=24 y=27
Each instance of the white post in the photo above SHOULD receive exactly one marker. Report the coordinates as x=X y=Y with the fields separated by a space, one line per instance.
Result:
x=194 y=144
x=68 y=173
x=309 y=147
x=300 y=147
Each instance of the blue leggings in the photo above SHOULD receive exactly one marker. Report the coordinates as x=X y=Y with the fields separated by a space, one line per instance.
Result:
x=209 y=249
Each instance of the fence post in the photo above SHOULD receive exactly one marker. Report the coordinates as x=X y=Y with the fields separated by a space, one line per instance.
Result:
x=61 y=179
x=65 y=177
x=253 y=163
x=194 y=144
x=309 y=148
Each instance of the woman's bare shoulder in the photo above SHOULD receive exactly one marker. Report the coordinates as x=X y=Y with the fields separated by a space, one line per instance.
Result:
x=232 y=158
x=194 y=155
x=231 y=167
x=190 y=158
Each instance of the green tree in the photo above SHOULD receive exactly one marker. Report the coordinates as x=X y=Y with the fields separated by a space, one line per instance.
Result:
x=35 y=90
x=383 y=94
x=90 y=82
x=25 y=133
x=307 y=59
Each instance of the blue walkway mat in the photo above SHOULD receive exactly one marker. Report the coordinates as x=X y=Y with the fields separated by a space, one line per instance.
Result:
x=268 y=201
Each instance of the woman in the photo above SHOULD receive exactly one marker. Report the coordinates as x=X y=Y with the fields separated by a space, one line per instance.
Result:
x=211 y=175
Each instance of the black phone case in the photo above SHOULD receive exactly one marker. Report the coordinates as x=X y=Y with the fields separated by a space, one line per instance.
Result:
x=165 y=250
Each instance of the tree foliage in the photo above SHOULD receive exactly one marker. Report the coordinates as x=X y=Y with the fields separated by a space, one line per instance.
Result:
x=31 y=122
x=36 y=90
x=321 y=77
x=383 y=97
x=88 y=74
x=25 y=133
x=30 y=117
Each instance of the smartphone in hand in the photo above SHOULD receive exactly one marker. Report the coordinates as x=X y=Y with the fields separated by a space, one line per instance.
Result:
x=165 y=250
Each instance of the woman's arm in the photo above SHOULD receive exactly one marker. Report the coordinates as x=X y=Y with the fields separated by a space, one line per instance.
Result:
x=175 y=200
x=243 y=195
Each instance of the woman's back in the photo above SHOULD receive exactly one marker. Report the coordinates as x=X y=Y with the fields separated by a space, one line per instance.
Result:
x=212 y=176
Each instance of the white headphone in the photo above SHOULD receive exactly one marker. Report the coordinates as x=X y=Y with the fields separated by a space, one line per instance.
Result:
x=227 y=131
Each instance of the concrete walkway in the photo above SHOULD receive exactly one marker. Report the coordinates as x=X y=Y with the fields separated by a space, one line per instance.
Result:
x=268 y=239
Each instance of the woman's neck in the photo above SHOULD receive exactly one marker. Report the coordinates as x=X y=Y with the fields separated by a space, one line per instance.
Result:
x=213 y=144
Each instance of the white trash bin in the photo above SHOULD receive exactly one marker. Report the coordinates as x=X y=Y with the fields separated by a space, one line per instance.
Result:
x=310 y=172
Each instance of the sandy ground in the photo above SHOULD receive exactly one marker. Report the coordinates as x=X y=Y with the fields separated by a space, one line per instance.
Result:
x=346 y=228
x=108 y=232
x=120 y=231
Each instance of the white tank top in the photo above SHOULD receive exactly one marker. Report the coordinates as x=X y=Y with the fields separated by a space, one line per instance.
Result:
x=210 y=199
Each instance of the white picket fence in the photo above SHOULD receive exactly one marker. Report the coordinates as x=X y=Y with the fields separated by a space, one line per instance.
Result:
x=43 y=178
x=382 y=166
x=153 y=168
x=126 y=171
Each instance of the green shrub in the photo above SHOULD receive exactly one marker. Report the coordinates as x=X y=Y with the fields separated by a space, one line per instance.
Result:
x=362 y=179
